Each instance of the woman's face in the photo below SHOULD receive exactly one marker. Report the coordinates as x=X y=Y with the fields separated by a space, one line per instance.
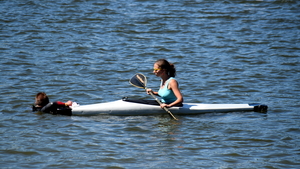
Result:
x=157 y=70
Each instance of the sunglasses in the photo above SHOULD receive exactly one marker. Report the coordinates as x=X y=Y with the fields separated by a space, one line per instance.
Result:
x=156 y=69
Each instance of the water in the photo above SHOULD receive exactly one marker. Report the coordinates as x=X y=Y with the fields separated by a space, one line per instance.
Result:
x=240 y=51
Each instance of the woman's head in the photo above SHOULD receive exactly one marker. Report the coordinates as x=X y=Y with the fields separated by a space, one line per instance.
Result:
x=163 y=64
x=41 y=99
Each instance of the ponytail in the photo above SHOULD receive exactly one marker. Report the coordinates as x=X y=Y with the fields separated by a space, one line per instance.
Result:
x=172 y=70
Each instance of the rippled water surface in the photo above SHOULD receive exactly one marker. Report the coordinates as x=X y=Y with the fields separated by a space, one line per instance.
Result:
x=242 y=51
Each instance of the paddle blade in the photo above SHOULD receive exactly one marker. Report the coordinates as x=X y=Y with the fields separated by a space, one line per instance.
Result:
x=139 y=80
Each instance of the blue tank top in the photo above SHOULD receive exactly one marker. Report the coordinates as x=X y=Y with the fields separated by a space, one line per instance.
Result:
x=167 y=95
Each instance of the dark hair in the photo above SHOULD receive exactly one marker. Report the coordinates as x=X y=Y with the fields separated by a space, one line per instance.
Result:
x=169 y=67
x=41 y=99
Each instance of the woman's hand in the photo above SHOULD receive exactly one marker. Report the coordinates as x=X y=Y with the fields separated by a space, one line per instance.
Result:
x=164 y=105
x=148 y=91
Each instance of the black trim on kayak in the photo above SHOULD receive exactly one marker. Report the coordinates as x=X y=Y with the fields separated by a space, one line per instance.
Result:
x=259 y=107
x=150 y=102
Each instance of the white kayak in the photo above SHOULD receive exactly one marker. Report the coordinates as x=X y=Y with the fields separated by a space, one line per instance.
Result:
x=134 y=108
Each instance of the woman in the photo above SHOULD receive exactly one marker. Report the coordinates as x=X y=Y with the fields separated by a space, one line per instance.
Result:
x=169 y=91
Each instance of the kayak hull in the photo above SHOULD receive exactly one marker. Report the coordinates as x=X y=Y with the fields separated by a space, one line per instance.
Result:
x=125 y=108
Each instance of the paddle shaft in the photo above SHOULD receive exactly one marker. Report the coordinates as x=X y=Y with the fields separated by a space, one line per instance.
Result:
x=166 y=109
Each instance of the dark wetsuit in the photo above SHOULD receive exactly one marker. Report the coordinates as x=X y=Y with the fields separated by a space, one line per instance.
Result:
x=54 y=108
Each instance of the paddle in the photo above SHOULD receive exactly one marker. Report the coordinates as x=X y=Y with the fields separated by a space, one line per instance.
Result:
x=139 y=80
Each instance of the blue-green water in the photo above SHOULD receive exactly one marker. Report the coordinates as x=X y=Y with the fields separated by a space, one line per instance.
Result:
x=241 y=51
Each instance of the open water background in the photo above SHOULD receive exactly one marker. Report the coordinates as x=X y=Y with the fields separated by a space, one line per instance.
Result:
x=239 y=51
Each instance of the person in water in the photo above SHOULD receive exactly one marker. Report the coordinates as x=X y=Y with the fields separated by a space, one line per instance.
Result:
x=169 y=90
x=43 y=104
